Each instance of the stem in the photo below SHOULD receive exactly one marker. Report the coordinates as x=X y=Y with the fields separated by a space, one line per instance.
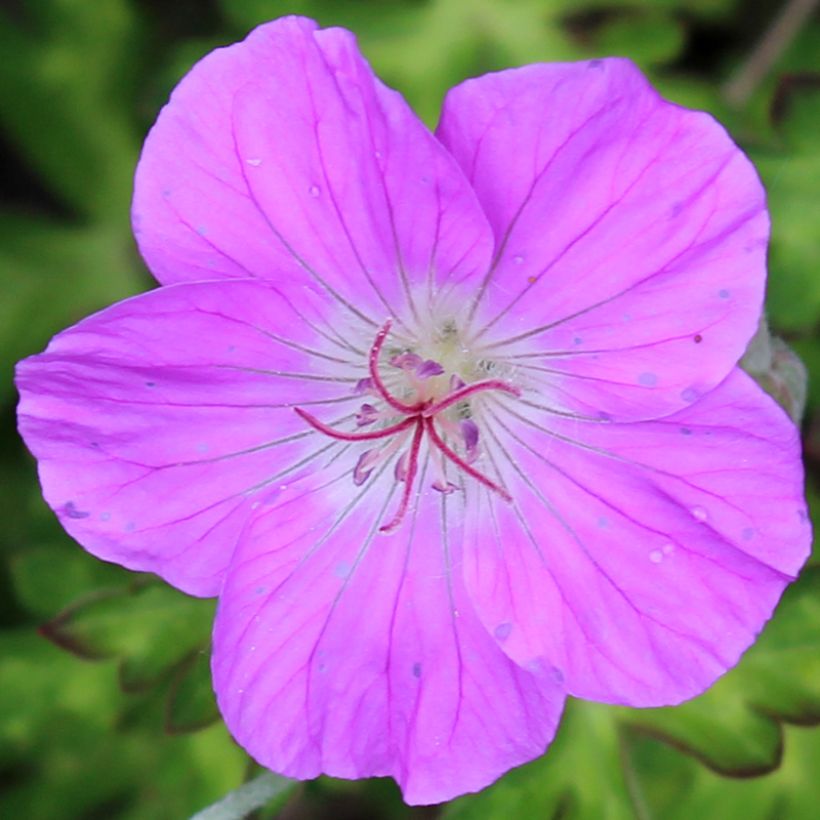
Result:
x=412 y=469
x=468 y=390
x=460 y=463
x=247 y=798
x=375 y=351
x=766 y=53
x=368 y=436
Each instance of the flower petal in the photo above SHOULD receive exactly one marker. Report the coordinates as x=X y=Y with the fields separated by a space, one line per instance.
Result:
x=344 y=651
x=643 y=557
x=631 y=235
x=284 y=156
x=157 y=421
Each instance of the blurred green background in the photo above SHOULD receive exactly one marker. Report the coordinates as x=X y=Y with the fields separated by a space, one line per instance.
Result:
x=105 y=705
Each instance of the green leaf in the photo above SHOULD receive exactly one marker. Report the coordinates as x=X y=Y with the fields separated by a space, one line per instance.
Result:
x=191 y=704
x=66 y=71
x=149 y=627
x=792 y=175
x=57 y=275
x=649 y=36
x=48 y=576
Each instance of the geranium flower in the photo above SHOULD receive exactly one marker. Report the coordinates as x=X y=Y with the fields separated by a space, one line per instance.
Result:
x=450 y=423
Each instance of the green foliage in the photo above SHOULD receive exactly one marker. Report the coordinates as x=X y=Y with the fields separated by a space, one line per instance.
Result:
x=134 y=733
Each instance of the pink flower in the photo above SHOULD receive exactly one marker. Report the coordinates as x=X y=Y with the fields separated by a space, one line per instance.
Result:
x=451 y=423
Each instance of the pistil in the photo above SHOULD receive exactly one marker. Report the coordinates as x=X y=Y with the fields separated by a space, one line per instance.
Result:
x=421 y=416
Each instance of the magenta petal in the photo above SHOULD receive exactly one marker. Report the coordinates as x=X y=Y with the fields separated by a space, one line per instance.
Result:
x=283 y=155
x=644 y=557
x=344 y=651
x=159 y=421
x=632 y=235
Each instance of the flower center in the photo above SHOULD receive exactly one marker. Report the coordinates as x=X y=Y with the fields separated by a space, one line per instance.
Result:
x=430 y=404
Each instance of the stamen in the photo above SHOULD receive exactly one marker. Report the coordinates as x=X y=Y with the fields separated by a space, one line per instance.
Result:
x=468 y=390
x=429 y=426
x=421 y=416
x=370 y=459
x=367 y=415
x=429 y=368
x=409 y=478
x=369 y=436
x=440 y=482
x=363 y=386
x=406 y=361
x=375 y=352
x=469 y=434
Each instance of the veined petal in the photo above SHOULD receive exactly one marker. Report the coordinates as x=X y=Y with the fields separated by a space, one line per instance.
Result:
x=631 y=236
x=644 y=557
x=283 y=156
x=160 y=420
x=344 y=651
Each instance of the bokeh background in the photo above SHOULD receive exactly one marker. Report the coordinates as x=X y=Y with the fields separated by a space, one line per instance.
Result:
x=105 y=704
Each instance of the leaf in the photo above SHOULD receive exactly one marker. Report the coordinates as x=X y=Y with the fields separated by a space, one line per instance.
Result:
x=791 y=174
x=65 y=71
x=649 y=36
x=56 y=276
x=191 y=704
x=598 y=766
x=64 y=752
x=48 y=576
x=149 y=627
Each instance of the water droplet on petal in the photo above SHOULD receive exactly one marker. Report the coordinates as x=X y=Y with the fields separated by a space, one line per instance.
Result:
x=254 y=161
x=699 y=514
x=723 y=293
x=656 y=556
x=502 y=631
x=647 y=379
x=314 y=191
x=518 y=259
x=417 y=669
x=668 y=549
x=106 y=516
x=689 y=395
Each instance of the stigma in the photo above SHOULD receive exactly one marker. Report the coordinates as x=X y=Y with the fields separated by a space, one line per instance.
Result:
x=430 y=405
